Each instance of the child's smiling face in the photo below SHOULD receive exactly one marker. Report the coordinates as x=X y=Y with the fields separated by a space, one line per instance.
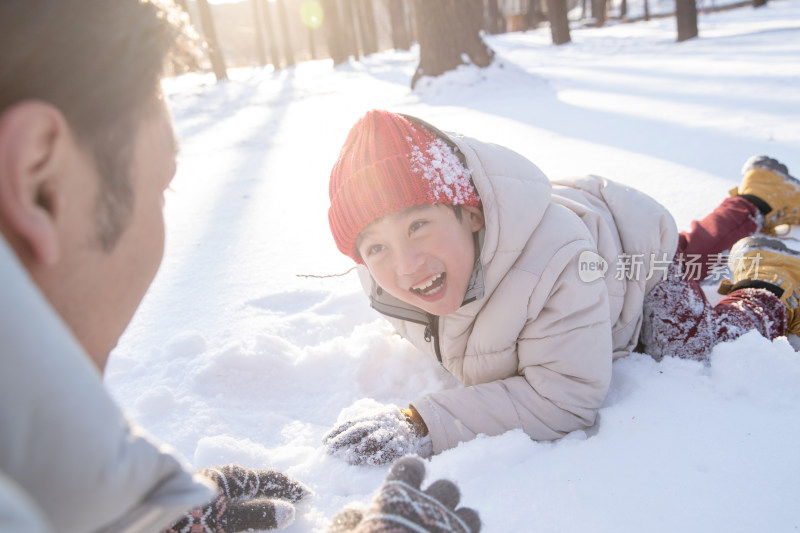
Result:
x=423 y=255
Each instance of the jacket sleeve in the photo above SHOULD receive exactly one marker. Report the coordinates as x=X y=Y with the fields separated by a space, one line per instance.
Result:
x=17 y=511
x=64 y=443
x=564 y=366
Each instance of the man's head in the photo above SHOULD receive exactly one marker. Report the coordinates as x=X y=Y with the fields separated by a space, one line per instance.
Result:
x=86 y=151
x=402 y=203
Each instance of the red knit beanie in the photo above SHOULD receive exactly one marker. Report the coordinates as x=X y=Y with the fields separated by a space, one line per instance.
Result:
x=389 y=163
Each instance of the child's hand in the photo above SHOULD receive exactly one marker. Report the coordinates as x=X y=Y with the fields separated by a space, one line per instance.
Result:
x=401 y=505
x=377 y=439
x=250 y=499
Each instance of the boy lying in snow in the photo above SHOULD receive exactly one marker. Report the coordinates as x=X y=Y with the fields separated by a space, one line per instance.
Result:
x=526 y=290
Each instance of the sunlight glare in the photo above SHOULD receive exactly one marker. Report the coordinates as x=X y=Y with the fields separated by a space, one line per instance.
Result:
x=311 y=13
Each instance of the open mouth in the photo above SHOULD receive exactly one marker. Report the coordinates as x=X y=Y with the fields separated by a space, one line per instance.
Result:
x=431 y=286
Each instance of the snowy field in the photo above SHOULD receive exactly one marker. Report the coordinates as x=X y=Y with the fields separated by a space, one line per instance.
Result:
x=237 y=356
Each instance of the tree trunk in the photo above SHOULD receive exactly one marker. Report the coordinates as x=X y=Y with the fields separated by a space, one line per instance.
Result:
x=366 y=25
x=260 y=53
x=274 y=53
x=686 y=15
x=559 y=23
x=397 y=16
x=214 y=51
x=623 y=9
x=351 y=24
x=312 y=49
x=496 y=23
x=646 y=10
x=401 y=36
x=288 y=50
x=599 y=12
x=369 y=13
x=533 y=16
x=411 y=21
x=449 y=30
x=334 y=32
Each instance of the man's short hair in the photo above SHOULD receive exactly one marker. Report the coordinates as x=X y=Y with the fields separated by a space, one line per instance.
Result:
x=99 y=62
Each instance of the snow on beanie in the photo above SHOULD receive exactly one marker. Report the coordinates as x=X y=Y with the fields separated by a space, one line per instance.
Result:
x=390 y=163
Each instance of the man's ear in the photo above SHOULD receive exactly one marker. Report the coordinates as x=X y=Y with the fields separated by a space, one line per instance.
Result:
x=33 y=138
x=475 y=217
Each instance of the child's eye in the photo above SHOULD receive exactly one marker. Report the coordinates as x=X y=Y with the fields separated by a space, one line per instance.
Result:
x=414 y=226
x=374 y=249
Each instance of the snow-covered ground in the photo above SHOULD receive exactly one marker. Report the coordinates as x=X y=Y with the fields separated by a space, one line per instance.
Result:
x=237 y=356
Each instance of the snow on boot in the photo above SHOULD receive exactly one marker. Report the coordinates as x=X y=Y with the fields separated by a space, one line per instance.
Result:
x=768 y=184
x=767 y=263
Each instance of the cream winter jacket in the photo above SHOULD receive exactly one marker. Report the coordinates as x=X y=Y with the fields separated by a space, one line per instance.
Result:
x=534 y=341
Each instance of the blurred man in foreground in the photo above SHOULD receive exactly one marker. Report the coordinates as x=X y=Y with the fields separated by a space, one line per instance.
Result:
x=87 y=150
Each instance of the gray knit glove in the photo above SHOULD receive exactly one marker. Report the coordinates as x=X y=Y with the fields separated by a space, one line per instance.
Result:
x=250 y=499
x=400 y=506
x=378 y=438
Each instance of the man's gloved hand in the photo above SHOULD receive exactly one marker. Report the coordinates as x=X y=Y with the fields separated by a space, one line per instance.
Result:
x=400 y=506
x=379 y=438
x=250 y=499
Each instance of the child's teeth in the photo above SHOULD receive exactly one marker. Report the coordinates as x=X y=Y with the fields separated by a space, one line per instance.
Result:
x=428 y=284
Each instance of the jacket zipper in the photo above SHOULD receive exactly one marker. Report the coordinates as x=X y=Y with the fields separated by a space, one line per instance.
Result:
x=432 y=333
x=431 y=326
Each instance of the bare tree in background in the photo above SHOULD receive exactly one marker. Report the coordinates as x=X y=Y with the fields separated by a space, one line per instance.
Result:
x=401 y=38
x=599 y=12
x=260 y=53
x=686 y=16
x=274 y=53
x=559 y=23
x=411 y=21
x=311 y=46
x=334 y=33
x=495 y=23
x=534 y=14
x=210 y=35
x=350 y=18
x=366 y=25
x=288 y=51
x=449 y=34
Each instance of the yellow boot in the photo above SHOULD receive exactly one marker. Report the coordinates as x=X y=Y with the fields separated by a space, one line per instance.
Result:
x=768 y=184
x=767 y=263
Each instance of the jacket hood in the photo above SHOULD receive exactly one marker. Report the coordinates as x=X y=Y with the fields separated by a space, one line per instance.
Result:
x=514 y=193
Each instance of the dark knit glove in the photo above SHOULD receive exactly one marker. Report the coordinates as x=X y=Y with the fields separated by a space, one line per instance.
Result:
x=250 y=499
x=400 y=506
x=378 y=438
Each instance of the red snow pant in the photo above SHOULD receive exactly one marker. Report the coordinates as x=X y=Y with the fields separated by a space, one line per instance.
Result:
x=678 y=318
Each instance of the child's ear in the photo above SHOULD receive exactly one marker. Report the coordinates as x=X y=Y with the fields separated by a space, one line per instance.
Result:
x=31 y=139
x=475 y=217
